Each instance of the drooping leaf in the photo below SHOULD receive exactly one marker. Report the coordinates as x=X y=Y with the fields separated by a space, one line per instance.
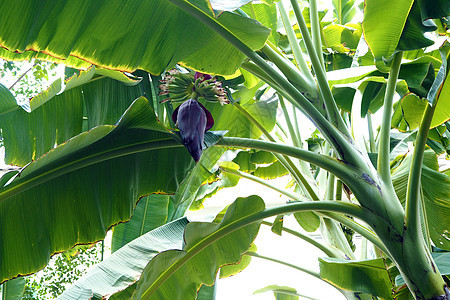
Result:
x=65 y=182
x=125 y=265
x=53 y=121
x=208 y=247
x=151 y=212
x=233 y=269
x=110 y=34
x=272 y=171
x=436 y=193
x=368 y=276
x=308 y=220
x=383 y=25
x=266 y=14
x=412 y=36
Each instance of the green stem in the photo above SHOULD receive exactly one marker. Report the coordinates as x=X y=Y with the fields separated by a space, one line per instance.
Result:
x=298 y=79
x=412 y=213
x=325 y=248
x=256 y=217
x=342 y=219
x=330 y=104
x=338 y=192
x=334 y=135
x=372 y=146
x=293 y=134
x=307 y=271
x=284 y=160
x=315 y=30
x=296 y=50
x=384 y=144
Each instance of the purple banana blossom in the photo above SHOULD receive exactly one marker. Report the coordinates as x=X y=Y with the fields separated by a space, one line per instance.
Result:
x=205 y=76
x=193 y=120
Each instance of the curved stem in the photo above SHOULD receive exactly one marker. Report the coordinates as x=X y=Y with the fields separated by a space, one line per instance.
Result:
x=384 y=145
x=315 y=31
x=330 y=104
x=337 y=217
x=412 y=213
x=339 y=138
x=256 y=217
x=307 y=271
x=296 y=50
x=284 y=160
x=325 y=248
x=328 y=163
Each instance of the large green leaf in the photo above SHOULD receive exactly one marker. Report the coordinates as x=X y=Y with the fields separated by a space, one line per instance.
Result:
x=207 y=247
x=125 y=265
x=55 y=119
x=66 y=202
x=344 y=11
x=150 y=35
x=436 y=196
x=150 y=213
x=266 y=15
x=368 y=276
x=383 y=25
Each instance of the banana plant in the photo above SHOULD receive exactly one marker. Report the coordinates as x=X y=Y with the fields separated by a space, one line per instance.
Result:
x=74 y=192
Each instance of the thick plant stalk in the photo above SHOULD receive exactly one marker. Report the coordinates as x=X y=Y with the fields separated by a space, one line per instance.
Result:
x=298 y=79
x=337 y=134
x=340 y=207
x=344 y=220
x=330 y=105
x=296 y=50
x=315 y=30
x=384 y=144
x=284 y=160
x=412 y=214
x=414 y=239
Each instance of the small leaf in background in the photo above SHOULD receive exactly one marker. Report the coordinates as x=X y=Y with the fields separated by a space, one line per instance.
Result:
x=281 y=292
x=308 y=220
x=277 y=226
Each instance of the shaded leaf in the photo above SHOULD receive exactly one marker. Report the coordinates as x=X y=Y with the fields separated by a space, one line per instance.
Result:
x=110 y=34
x=150 y=213
x=368 y=276
x=233 y=269
x=65 y=183
x=436 y=193
x=13 y=289
x=124 y=266
x=208 y=246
